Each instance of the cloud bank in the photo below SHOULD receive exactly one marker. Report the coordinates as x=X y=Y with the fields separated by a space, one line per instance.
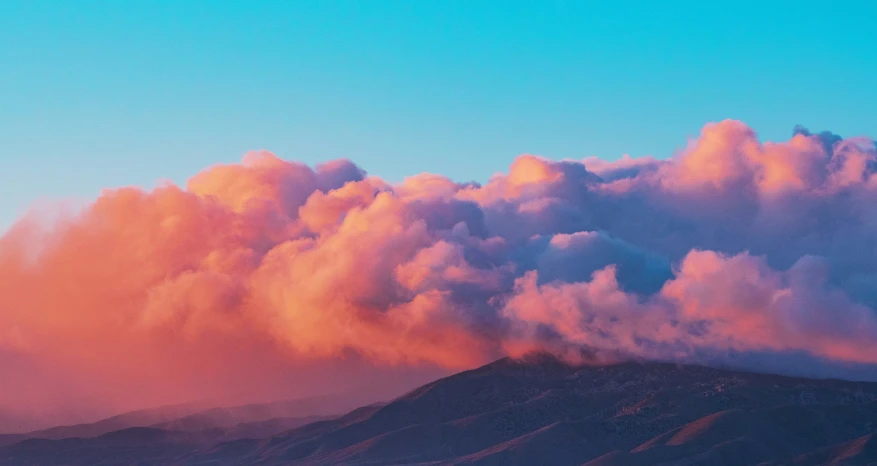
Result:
x=761 y=255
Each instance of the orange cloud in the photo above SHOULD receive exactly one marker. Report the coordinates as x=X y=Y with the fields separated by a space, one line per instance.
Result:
x=270 y=278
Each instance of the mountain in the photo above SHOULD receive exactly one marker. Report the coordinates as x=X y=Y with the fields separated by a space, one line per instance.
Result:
x=139 y=418
x=245 y=421
x=540 y=411
x=146 y=445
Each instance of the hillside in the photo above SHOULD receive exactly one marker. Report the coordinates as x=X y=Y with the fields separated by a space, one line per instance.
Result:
x=541 y=411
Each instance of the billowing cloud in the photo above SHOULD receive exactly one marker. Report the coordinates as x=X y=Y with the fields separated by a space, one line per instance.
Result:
x=270 y=273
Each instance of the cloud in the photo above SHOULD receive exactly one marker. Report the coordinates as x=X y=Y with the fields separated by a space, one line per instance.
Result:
x=270 y=273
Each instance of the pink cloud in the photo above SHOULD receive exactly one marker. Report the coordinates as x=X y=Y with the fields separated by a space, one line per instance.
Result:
x=258 y=270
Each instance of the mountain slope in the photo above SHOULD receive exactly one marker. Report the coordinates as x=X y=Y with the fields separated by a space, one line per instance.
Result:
x=512 y=412
x=541 y=411
x=860 y=451
x=139 y=418
x=244 y=421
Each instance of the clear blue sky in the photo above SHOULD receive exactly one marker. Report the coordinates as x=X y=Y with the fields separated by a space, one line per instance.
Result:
x=109 y=93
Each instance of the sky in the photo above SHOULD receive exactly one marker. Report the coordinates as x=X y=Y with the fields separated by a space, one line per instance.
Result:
x=103 y=93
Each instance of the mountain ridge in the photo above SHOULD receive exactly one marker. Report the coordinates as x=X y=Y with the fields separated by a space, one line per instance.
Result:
x=540 y=410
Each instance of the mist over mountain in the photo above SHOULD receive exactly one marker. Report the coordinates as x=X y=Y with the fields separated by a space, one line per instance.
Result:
x=258 y=419
x=538 y=410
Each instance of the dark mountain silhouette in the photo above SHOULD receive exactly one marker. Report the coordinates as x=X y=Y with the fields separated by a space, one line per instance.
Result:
x=246 y=421
x=139 y=418
x=539 y=411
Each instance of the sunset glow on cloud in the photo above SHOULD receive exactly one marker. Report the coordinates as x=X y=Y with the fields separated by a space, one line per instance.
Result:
x=735 y=251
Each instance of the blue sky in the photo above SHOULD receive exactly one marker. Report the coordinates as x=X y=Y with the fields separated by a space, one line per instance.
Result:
x=110 y=93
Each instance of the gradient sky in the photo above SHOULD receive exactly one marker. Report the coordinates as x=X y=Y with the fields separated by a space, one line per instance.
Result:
x=110 y=93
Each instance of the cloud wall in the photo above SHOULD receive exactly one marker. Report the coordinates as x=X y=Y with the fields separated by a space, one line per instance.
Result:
x=734 y=251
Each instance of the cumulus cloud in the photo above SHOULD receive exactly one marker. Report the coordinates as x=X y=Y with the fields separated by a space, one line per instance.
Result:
x=734 y=251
